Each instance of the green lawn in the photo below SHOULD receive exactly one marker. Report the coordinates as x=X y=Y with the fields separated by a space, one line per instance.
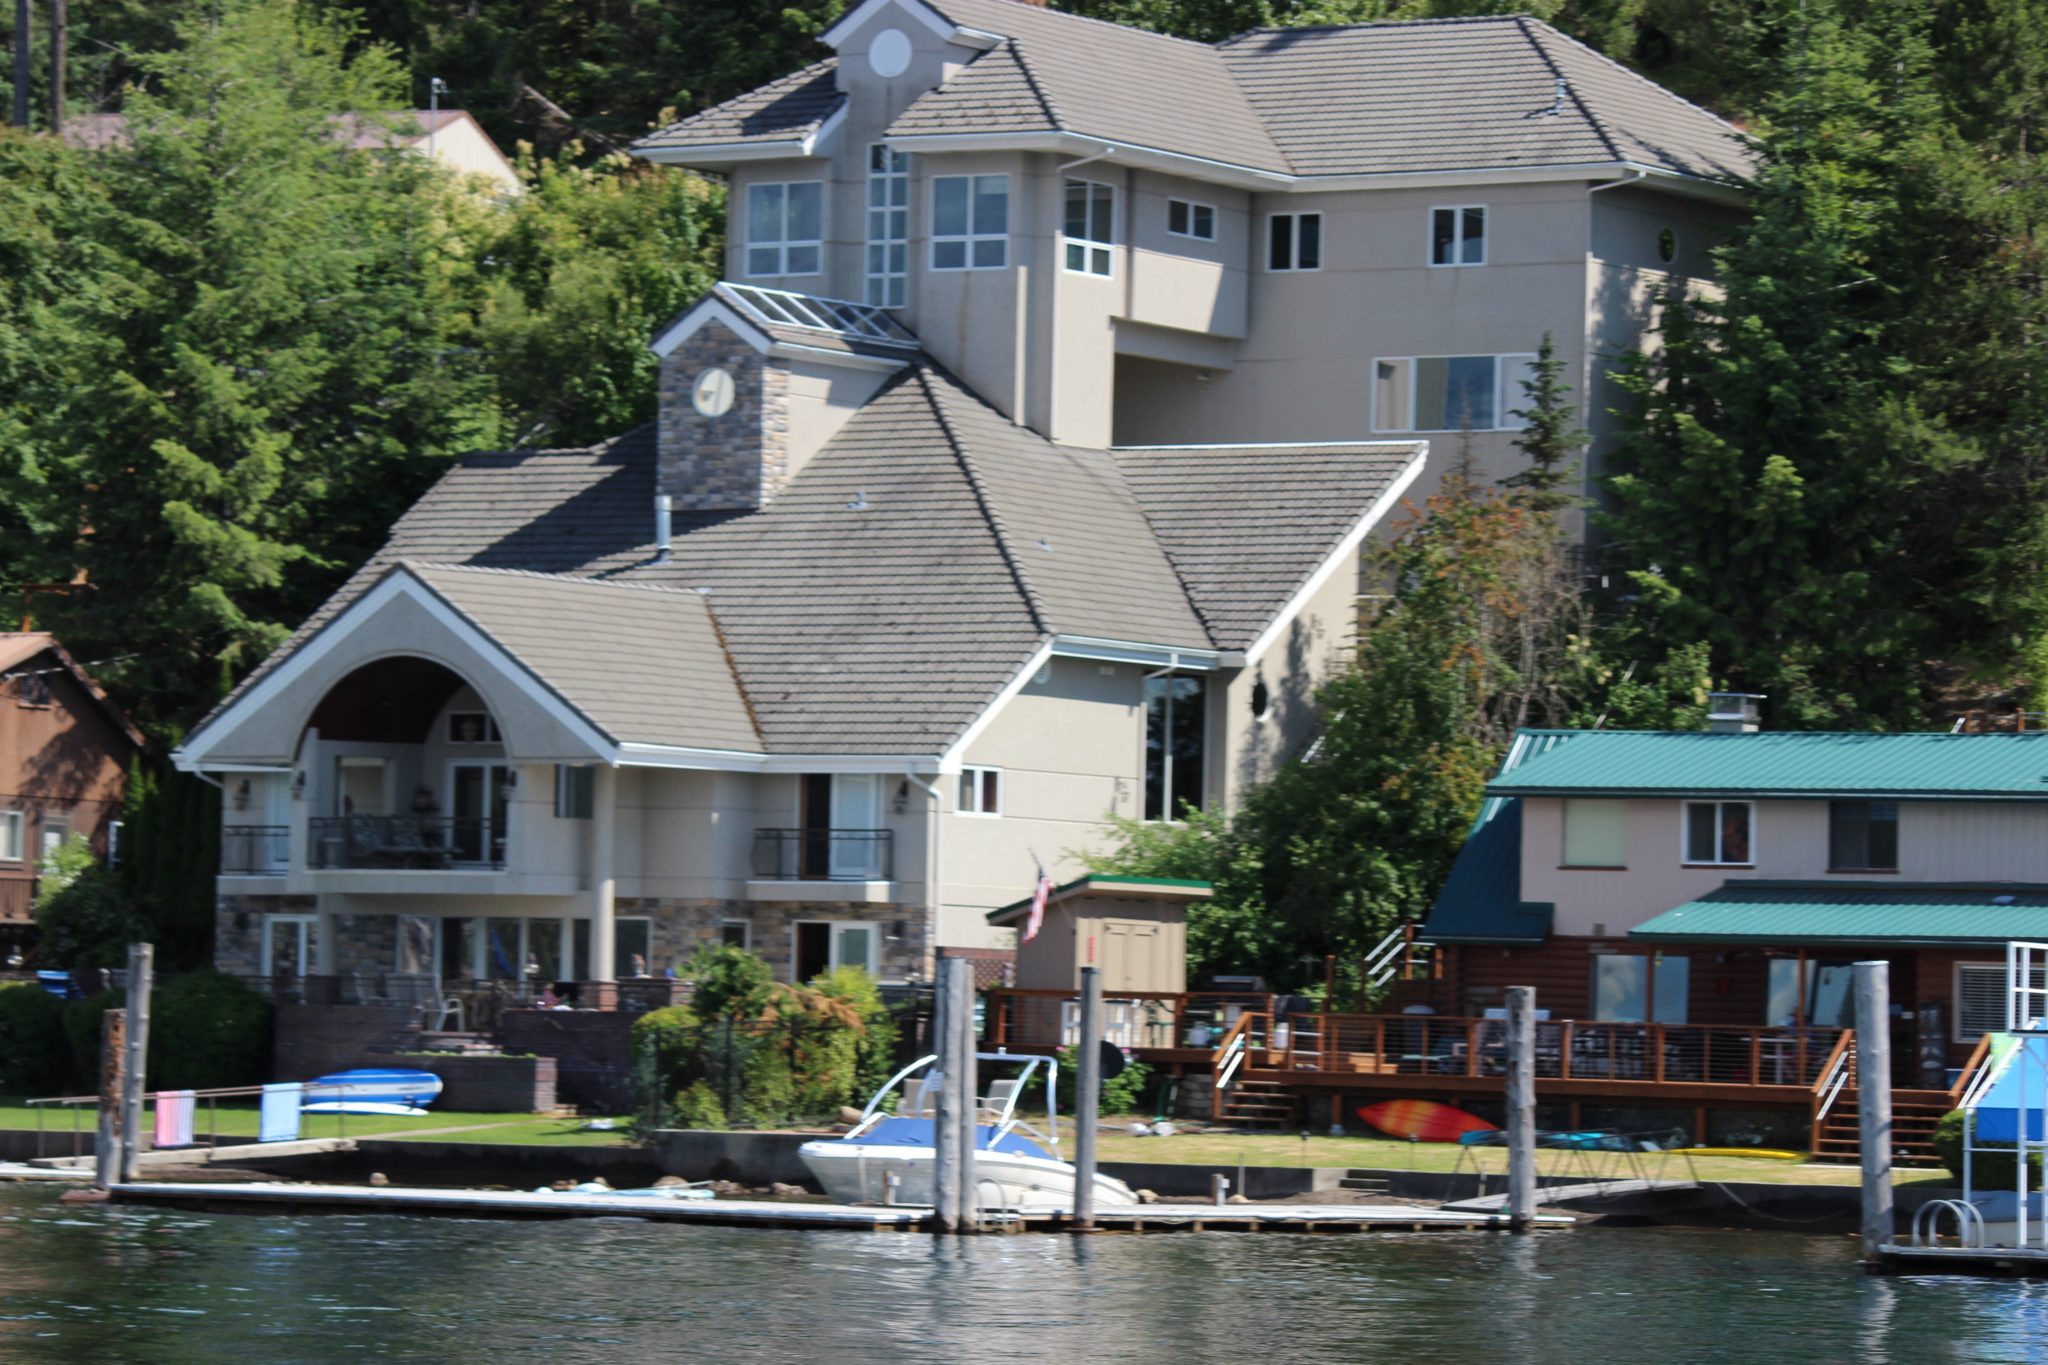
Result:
x=241 y=1121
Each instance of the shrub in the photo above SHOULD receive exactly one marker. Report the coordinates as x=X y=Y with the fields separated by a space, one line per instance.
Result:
x=875 y=1047
x=82 y=1033
x=1993 y=1170
x=207 y=1029
x=662 y=1045
x=86 y=918
x=35 y=1055
x=731 y=983
x=698 y=1107
x=1119 y=1096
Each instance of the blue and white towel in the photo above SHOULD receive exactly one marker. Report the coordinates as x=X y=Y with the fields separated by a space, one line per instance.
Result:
x=279 y=1121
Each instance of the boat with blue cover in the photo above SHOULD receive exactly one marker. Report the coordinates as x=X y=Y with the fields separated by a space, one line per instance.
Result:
x=888 y=1157
x=372 y=1090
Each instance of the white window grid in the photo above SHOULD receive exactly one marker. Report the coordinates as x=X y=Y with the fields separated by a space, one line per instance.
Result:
x=981 y=791
x=888 y=260
x=840 y=317
x=771 y=247
x=1090 y=250
x=1451 y=226
x=984 y=245
x=1509 y=369
x=1719 y=859
x=1197 y=220
x=1294 y=228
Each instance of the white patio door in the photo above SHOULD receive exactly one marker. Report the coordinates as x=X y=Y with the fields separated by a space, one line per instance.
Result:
x=856 y=807
x=287 y=946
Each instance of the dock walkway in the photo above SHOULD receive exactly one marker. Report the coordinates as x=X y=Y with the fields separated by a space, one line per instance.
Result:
x=277 y=1197
x=1566 y=1194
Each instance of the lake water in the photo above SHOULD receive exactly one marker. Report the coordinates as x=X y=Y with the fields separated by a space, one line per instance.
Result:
x=83 y=1285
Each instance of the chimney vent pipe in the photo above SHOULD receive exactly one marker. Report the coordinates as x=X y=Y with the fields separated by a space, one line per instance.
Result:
x=663 y=504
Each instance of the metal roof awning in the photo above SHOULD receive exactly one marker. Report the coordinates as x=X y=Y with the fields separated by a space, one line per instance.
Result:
x=1913 y=915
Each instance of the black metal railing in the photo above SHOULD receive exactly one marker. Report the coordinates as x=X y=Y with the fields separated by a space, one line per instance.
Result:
x=418 y=841
x=824 y=855
x=251 y=850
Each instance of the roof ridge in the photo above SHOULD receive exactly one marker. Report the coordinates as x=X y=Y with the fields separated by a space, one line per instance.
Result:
x=794 y=78
x=732 y=667
x=1052 y=112
x=981 y=497
x=1443 y=21
x=591 y=580
x=1599 y=128
x=1085 y=19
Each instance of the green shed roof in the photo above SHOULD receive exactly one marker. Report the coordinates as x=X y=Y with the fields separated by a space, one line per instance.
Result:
x=1663 y=763
x=1928 y=914
x=1164 y=888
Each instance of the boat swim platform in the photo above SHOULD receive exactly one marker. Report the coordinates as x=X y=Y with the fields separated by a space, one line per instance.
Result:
x=278 y=1197
x=1903 y=1258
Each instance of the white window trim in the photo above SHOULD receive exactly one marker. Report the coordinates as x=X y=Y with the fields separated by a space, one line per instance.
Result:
x=1955 y=1014
x=899 y=172
x=1684 y=807
x=1294 y=231
x=976 y=771
x=1501 y=400
x=748 y=246
x=1458 y=244
x=18 y=822
x=970 y=238
x=617 y=921
x=746 y=933
x=1089 y=245
x=1192 y=205
x=836 y=927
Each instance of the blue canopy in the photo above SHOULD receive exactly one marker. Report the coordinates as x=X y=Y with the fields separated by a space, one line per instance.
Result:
x=907 y=1132
x=2021 y=1082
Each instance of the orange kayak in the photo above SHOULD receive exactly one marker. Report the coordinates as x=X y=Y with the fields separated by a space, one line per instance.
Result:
x=1423 y=1120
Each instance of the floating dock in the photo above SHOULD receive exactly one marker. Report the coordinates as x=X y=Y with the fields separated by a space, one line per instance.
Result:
x=277 y=1197
x=1900 y=1258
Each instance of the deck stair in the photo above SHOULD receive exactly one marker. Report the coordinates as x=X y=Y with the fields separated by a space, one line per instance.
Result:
x=1839 y=1137
x=1363 y=1182
x=1258 y=1104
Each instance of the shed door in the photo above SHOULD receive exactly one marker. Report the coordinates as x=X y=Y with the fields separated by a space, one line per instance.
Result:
x=1131 y=956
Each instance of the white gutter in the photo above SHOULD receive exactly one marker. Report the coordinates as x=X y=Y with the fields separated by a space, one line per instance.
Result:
x=1152 y=656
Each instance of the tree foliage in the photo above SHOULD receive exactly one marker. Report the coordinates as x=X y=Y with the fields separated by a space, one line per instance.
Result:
x=85 y=916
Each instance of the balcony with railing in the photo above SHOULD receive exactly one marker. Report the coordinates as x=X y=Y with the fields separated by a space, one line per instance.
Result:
x=255 y=850
x=415 y=842
x=824 y=855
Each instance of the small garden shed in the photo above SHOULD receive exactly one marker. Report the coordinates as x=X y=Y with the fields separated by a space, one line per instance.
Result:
x=1133 y=928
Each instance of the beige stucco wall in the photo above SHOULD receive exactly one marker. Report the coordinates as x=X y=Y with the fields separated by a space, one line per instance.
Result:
x=463 y=148
x=1938 y=842
x=1306 y=654
x=821 y=399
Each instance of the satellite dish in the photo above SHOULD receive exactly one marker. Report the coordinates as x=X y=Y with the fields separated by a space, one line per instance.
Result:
x=1113 y=1061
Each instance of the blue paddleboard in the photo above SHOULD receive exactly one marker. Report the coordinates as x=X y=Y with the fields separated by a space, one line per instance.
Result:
x=379 y=1086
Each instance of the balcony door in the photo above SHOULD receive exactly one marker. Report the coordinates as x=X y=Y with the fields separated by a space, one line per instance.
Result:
x=821 y=945
x=477 y=812
x=288 y=946
x=856 y=808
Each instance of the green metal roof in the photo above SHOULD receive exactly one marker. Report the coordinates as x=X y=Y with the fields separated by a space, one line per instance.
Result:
x=1662 y=763
x=1165 y=888
x=1929 y=914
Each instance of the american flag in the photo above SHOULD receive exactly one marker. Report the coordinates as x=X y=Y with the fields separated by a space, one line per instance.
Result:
x=1040 y=894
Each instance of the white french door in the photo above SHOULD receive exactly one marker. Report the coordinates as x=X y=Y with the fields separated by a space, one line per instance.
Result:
x=856 y=807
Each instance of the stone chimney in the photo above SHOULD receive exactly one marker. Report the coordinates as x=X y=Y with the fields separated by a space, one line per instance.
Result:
x=723 y=426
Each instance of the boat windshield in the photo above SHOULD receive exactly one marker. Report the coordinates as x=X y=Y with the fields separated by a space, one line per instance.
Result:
x=915 y=1090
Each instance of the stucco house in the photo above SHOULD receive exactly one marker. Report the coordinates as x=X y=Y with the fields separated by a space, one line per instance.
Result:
x=1016 y=476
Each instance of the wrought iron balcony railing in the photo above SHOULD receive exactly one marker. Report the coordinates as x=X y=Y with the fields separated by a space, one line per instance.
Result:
x=254 y=850
x=404 y=841
x=824 y=855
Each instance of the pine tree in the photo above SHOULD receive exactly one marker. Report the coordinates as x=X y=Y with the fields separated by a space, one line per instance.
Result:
x=1550 y=434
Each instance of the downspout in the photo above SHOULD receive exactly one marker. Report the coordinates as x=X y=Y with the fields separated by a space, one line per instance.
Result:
x=932 y=864
x=1059 y=268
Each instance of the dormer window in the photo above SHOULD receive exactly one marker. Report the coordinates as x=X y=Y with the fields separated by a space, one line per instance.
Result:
x=1091 y=227
x=786 y=228
x=970 y=222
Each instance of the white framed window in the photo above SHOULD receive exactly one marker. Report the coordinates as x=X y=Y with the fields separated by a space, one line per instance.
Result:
x=1176 y=745
x=1623 y=988
x=1090 y=229
x=970 y=222
x=1457 y=235
x=56 y=829
x=888 y=226
x=821 y=945
x=633 y=946
x=1595 y=834
x=575 y=791
x=1186 y=218
x=981 y=791
x=736 y=933
x=11 y=823
x=1720 y=833
x=1450 y=392
x=1981 y=998
x=473 y=727
x=786 y=228
x=1294 y=241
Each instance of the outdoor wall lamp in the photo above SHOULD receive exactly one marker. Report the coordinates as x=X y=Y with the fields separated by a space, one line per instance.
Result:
x=242 y=795
x=299 y=785
x=510 y=785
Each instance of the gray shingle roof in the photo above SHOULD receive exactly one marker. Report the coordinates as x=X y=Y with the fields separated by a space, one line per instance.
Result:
x=1246 y=527
x=786 y=110
x=641 y=663
x=1062 y=71
x=1426 y=95
x=1465 y=94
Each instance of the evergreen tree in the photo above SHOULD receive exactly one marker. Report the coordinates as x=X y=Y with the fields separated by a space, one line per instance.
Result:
x=1550 y=435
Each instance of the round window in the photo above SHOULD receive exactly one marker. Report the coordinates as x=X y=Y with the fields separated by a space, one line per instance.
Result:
x=1667 y=245
x=712 y=393
x=1260 y=699
x=889 y=53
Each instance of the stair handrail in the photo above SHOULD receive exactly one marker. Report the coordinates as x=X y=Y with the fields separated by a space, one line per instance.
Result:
x=1391 y=953
x=1977 y=1076
x=1230 y=1053
x=1834 y=1077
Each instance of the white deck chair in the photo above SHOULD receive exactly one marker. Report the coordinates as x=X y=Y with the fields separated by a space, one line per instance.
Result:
x=992 y=1104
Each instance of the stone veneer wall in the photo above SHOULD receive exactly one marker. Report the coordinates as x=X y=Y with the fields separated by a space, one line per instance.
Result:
x=238 y=929
x=680 y=927
x=736 y=461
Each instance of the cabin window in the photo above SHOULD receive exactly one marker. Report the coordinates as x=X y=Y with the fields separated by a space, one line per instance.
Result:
x=11 y=822
x=1830 y=994
x=1090 y=227
x=1176 y=728
x=1457 y=235
x=1294 y=241
x=888 y=225
x=786 y=228
x=1185 y=218
x=32 y=689
x=970 y=222
x=575 y=791
x=1633 y=989
x=981 y=791
x=1595 y=834
x=1717 y=833
x=1863 y=836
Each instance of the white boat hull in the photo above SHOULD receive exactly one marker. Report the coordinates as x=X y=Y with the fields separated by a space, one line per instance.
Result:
x=857 y=1173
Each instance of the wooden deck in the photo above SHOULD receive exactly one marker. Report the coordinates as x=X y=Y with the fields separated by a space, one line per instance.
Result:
x=268 y=1197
